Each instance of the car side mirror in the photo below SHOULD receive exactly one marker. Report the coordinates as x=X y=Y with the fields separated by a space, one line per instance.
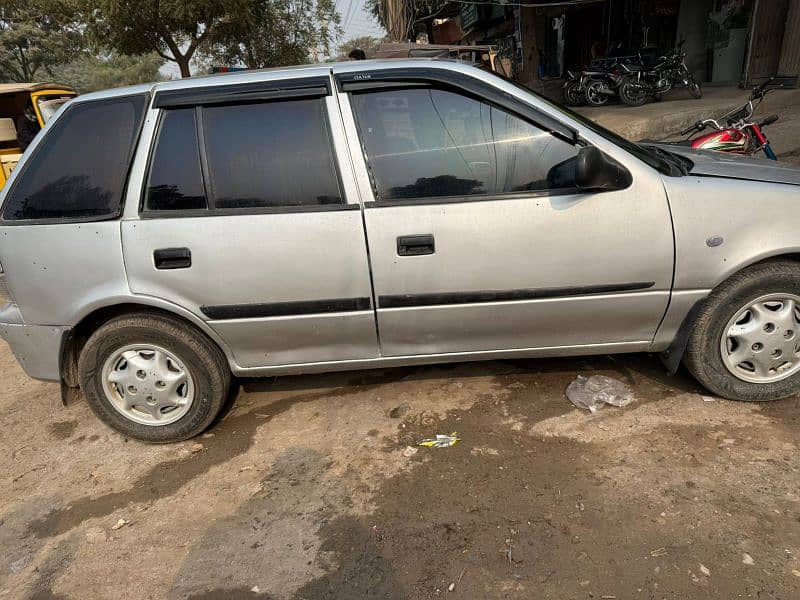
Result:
x=598 y=172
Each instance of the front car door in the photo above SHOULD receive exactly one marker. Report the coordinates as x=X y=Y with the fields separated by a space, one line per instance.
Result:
x=249 y=221
x=479 y=240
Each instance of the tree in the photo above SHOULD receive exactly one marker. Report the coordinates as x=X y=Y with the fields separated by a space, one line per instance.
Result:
x=273 y=33
x=89 y=73
x=35 y=35
x=366 y=43
x=174 y=29
x=401 y=18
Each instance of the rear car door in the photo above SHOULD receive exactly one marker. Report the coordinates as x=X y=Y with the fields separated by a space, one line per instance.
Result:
x=479 y=240
x=245 y=221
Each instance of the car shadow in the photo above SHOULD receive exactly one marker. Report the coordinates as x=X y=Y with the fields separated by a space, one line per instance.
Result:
x=628 y=367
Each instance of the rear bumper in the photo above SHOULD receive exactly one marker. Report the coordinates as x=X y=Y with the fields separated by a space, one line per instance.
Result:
x=37 y=348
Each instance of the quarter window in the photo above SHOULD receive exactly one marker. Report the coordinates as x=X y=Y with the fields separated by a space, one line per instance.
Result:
x=426 y=143
x=79 y=170
x=176 y=181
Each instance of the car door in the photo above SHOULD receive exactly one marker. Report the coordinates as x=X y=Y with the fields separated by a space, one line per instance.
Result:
x=245 y=221
x=479 y=240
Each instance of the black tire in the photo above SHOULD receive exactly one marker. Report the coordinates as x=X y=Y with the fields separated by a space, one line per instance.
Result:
x=204 y=360
x=573 y=95
x=703 y=357
x=631 y=94
x=593 y=94
x=695 y=90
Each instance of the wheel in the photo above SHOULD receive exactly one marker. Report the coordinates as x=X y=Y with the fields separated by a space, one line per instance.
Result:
x=745 y=343
x=632 y=94
x=153 y=378
x=573 y=95
x=597 y=93
x=695 y=90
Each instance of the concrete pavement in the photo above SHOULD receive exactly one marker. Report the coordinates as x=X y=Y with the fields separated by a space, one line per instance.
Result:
x=678 y=110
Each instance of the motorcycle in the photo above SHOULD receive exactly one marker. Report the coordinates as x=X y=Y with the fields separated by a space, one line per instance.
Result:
x=640 y=84
x=574 y=94
x=602 y=86
x=735 y=131
x=594 y=87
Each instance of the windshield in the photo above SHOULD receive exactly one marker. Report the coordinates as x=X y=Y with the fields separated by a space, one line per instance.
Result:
x=48 y=105
x=642 y=153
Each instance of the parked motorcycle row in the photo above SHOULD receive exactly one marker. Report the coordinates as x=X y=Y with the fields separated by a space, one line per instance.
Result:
x=628 y=79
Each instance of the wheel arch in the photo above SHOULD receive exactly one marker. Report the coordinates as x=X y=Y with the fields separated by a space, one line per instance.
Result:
x=771 y=255
x=91 y=318
x=672 y=356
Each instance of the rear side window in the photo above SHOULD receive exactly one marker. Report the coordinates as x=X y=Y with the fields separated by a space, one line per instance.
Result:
x=423 y=143
x=272 y=154
x=247 y=156
x=176 y=181
x=80 y=168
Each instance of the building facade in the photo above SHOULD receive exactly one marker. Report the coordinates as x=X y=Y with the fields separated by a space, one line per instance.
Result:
x=738 y=42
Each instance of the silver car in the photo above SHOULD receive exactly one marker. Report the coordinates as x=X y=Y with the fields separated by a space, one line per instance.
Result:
x=157 y=240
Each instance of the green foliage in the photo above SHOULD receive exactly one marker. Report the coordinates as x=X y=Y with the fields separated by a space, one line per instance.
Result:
x=175 y=29
x=36 y=35
x=91 y=73
x=272 y=33
x=367 y=43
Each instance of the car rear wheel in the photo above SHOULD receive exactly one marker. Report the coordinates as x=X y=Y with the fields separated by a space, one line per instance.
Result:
x=745 y=344
x=153 y=378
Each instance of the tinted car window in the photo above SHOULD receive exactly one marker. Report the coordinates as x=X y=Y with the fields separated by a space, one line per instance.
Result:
x=176 y=181
x=270 y=154
x=425 y=142
x=79 y=169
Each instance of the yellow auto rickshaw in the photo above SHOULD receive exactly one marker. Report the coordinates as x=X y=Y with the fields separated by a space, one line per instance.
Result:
x=24 y=109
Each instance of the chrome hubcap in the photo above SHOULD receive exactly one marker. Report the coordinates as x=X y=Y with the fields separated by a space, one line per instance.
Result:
x=761 y=343
x=148 y=385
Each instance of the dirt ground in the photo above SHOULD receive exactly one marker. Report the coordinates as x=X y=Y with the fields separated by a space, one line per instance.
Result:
x=306 y=490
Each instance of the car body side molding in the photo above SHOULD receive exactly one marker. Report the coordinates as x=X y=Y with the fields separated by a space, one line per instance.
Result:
x=409 y=300
x=283 y=309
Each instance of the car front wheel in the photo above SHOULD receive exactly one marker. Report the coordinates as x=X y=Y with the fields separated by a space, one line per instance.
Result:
x=153 y=378
x=745 y=344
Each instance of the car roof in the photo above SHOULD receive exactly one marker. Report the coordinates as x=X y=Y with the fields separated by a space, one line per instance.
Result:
x=274 y=73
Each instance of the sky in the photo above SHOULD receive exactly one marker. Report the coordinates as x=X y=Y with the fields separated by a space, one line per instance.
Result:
x=356 y=22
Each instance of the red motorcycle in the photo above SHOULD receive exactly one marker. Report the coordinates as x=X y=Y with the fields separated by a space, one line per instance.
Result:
x=735 y=131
